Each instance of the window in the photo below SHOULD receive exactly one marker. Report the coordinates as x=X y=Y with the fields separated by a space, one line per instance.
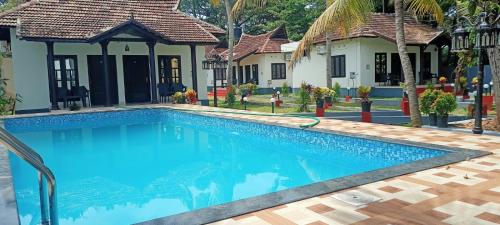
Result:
x=220 y=73
x=255 y=73
x=278 y=71
x=380 y=67
x=338 y=66
x=170 y=69
x=66 y=71
x=240 y=75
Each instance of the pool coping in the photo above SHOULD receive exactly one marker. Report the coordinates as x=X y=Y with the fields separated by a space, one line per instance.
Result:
x=244 y=206
x=261 y=202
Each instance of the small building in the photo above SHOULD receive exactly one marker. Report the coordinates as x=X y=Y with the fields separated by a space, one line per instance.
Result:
x=369 y=56
x=118 y=50
x=257 y=59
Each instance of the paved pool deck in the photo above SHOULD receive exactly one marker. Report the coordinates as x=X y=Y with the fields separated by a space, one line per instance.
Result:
x=467 y=192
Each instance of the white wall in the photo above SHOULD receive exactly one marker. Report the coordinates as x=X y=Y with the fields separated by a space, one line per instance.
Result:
x=264 y=61
x=30 y=73
x=30 y=66
x=360 y=59
x=312 y=69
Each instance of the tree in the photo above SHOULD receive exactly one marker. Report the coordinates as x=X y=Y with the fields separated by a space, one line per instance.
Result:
x=344 y=15
x=471 y=10
x=421 y=7
x=328 y=46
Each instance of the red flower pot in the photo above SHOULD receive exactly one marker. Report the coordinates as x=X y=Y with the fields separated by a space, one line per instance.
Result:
x=366 y=117
x=348 y=98
x=320 y=112
x=405 y=106
x=488 y=102
x=278 y=103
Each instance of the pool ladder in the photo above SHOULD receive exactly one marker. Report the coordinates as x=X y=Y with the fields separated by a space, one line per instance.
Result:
x=44 y=174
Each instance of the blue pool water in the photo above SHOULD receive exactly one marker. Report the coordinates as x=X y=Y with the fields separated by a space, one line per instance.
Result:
x=131 y=166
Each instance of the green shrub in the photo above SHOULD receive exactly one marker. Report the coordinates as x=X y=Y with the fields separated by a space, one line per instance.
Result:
x=336 y=88
x=7 y=103
x=462 y=81
x=444 y=104
x=426 y=100
x=74 y=107
x=231 y=95
x=304 y=97
x=248 y=89
x=429 y=85
x=179 y=98
x=285 y=90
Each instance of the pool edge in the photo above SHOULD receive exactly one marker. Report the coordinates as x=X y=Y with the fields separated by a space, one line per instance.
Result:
x=261 y=202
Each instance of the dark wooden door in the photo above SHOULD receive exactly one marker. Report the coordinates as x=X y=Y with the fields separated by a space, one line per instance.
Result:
x=248 y=73
x=426 y=67
x=136 y=77
x=397 y=68
x=96 y=80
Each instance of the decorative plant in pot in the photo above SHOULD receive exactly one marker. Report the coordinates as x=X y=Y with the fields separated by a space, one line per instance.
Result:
x=462 y=83
x=442 y=82
x=329 y=95
x=179 y=98
x=319 y=97
x=364 y=94
x=444 y=104
x=426 y=100
x=191 y=96
x=304 y=97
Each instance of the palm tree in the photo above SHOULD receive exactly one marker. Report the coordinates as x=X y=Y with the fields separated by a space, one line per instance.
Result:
x=344 y=15
x=230 y=38
x=328 y=46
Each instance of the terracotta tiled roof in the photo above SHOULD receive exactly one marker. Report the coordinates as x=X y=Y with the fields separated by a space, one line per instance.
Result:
x=256 y=44
x=84 y=19
x=383 y=25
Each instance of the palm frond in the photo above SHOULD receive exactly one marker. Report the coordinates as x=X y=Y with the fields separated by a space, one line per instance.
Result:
x=421 y=7
x=240 y=5
x=341 y=16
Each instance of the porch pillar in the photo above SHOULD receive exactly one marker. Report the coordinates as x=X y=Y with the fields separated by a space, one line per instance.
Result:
x=238 y=71
x=105 y=71
x=194 y=71
x=52 y=75
x=421 y=73
x=152 y=71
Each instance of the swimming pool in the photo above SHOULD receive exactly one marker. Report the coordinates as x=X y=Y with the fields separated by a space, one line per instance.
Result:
x=129 y=166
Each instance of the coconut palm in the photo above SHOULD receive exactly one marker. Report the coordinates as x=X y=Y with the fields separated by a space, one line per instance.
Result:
x=328 y=46
x=230 y=38
x=344 y=15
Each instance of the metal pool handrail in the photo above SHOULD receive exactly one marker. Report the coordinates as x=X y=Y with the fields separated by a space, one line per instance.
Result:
x=29 y=155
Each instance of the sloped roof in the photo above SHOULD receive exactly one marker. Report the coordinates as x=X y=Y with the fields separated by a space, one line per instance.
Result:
x=383 y=25
x=256 y=44
x=84 y=19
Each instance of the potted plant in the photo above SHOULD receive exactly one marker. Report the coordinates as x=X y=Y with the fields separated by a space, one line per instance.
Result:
x=319 y=97
x=364 y=94
x=329 y=94
x=442 y=82
x=179 y=98
x=191 y=96
x=462 y=85
x=304 y=97
x=425 y=101
x=444 y=104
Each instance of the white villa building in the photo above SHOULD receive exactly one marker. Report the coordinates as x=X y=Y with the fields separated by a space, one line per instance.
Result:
x=257 y=59
x=368 y=56
x=117 y=50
